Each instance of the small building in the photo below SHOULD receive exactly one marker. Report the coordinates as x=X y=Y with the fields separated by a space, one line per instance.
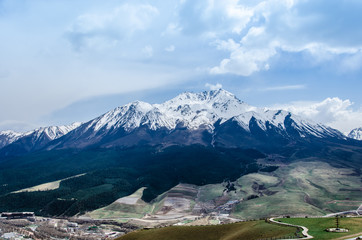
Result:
x=17 y=215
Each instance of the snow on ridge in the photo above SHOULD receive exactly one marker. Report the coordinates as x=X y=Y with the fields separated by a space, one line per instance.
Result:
x=199 y=110
x=10 y=133
x=273 y=117
x=205 y=108
x=52 y=132
x=277 y=118
x=8 y=136
x=128 y=116
x=356 y=134
x=192 y=109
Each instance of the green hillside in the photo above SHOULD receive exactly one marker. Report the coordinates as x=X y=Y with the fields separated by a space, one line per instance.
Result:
x=306 y=187
x=317 y=226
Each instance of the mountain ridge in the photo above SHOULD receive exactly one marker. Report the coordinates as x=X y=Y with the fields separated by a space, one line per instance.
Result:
x=35 y=139
x=188 y=118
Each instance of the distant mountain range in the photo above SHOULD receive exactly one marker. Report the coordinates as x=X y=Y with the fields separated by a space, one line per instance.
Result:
x=213 y=118
x=202 y=138
x=19 y=143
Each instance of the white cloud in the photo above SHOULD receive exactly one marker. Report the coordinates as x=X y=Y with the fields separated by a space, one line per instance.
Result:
x=284 y=88
x=213 y=86
x=290 y=26
x=210 y=16
x=171 y=29
x=147 y=51
x=240 y=14
x=92 y=29
x=245 y=61
x=170 y=48
x=229 y=45
x=335 y=112
x=351 y=62
x=251 y=53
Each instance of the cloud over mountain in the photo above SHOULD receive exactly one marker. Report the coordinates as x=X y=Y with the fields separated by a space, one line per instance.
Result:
x=110 y=27
x=335 y=112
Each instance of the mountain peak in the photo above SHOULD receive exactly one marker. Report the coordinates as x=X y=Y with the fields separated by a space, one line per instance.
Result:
x=219 y=95
x=220 y=91
x=140 y=106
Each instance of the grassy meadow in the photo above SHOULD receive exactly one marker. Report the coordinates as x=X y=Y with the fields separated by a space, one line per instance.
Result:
x=243 y=230
x=308 y=188
x=317 y=226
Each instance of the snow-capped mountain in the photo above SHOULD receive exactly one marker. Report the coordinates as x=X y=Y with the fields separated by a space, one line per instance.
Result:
x=191 y=118
x=211 y=118
x=7 y=137
x=191 y=109
x=197 y=110
x=356 y=134
x=52 y=132
x=32 y=140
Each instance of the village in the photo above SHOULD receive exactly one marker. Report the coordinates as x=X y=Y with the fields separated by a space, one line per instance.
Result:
x=25 y=225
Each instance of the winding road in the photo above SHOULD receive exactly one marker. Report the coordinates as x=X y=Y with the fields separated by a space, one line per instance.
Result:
x=304 y=232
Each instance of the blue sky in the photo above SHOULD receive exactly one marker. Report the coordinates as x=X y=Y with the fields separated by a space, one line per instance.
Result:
x=65 y=61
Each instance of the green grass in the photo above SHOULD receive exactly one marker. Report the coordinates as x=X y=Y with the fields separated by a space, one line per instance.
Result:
x=308 y=187
x=317 y=226
x=243 y=230
x=285 y=203
x=210 y=192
